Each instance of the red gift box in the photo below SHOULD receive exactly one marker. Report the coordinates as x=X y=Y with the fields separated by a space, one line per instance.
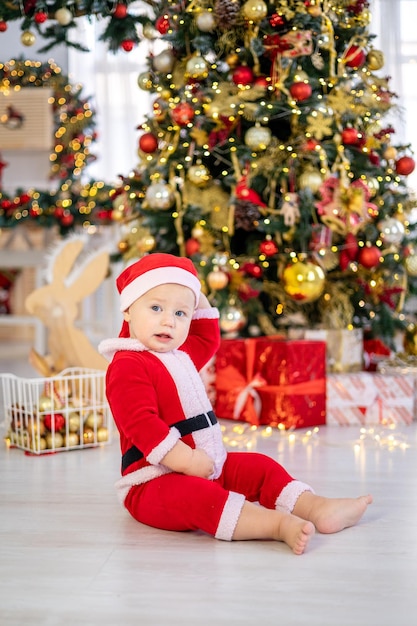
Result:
x=272 y=381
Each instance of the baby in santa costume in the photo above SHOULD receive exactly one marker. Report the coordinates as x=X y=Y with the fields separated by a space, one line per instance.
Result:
x=176 y=472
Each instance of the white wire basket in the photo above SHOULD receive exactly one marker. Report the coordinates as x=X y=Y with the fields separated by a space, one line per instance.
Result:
x=64 y=412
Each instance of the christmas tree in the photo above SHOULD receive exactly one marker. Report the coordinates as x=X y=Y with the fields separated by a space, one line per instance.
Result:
x=267 y=158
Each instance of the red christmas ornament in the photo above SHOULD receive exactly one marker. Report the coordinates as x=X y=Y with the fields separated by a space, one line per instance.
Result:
x=251 y=269
x=24 y=198
x=262 y=81
x=54 y=421
x=183 y=114
x=351 y=137
x=310 y=145
x=276 y=20
x=369 y=256
x=40 y=17
x=120 y=11
x=301 y=91
x=192 y=246
x=67 y=219
x=374 y=158
x=243 y=75
x=128 y=45
x=162 y=24
x=355 y=57
x=268 y=247
x=3 y=26
x=148 y=143
x=405 y=166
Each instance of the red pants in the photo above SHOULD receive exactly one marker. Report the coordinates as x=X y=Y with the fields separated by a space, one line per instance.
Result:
x=179 y=502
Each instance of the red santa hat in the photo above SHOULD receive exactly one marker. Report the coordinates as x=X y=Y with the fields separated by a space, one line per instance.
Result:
x=154 y=270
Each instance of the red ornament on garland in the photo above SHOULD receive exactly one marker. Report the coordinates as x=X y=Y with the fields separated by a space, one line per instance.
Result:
x=369 y=256
x=351 y=136
x=301 y=91
x=183 y=114
x=268 y=247
x=355 y=57
x=127 y=45
x=243 y=75
x=162 y=25
x=40 y=17
x=3 y=26
x=405 y=166
x=192 y=246
x=148 y=143
x=120 y=11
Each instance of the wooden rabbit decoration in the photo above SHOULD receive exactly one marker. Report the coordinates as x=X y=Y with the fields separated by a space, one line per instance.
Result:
x=56 y=305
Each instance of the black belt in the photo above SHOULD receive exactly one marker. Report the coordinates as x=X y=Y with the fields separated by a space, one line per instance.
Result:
x=186 y=427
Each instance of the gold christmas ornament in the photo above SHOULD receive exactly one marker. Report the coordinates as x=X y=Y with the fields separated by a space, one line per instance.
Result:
x=205 y=21
x=314 y=8
x=199 y=175
x=232 y=320
x=390 y=153
x=411 y=264
x=310 y=179
x=102 y=434
x=255 y=10
x=45 y=403
x=146 y=244
x=375 y=60
x=217 y=279
x=74 y=422
x=145 y=81
x=232 y=60
x=164 y=61
x=303 y=281
x=149 y=32
x=159 y=195
x=71 y=440
x=196 y=67
x=258 y=137
x=27 y=38
x=94 y=420
x=410 y=339
x=54 y=440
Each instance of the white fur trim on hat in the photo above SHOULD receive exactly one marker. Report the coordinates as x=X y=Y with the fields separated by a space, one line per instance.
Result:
x=155 y=277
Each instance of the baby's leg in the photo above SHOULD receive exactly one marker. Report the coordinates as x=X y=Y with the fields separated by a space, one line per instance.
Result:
x=330 y=515
x=257 y=522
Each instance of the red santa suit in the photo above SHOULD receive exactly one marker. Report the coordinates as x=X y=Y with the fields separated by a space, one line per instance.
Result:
x=158 y=398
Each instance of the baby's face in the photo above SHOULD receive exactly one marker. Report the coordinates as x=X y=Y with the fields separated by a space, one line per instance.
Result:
x=161 y=318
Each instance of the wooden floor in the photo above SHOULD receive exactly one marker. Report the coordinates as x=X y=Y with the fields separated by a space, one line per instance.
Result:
x=69 y=554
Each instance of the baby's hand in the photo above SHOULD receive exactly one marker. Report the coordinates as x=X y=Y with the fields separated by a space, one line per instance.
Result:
x=200 y=465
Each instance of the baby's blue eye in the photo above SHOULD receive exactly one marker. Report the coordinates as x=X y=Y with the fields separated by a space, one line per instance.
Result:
x=180 y=313
x=155 y=307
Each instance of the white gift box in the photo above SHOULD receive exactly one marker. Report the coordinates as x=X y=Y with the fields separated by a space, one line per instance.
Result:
x=363 y=398
x=344 y=347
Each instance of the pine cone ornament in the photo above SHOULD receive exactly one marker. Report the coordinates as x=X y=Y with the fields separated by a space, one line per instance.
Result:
x=226 y=13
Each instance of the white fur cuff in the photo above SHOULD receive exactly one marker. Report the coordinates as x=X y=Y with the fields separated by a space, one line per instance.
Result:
x=288 y=497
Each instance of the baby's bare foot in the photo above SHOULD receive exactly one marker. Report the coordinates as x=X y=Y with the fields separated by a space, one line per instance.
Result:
x=330 y=515
x=295 y=532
